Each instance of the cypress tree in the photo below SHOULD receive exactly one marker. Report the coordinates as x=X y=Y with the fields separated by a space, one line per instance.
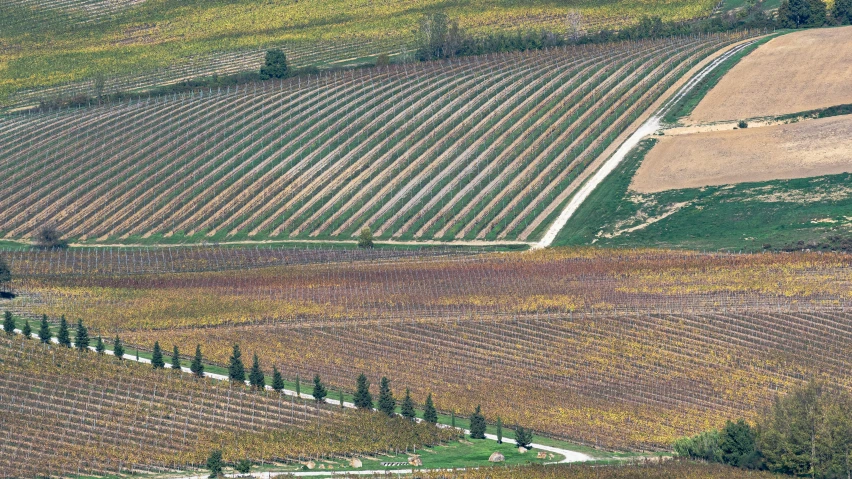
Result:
x=429 y=413
x=117 y=348
x=256 y=377
x=363 y=398
x=8 y=323
x=44 y=330
x=477 y=424
x=277 y=380
x=99 y=346
x=407 y=408
x=27 y=330
x=236 y=370
x=298 y=387
x=197 y=367
x=387 y=404
x=320 y=391
x=81 y=340
x=453 y=418
x=176 y=359
x=499 y=430
x=62 y=336
x=157 y=357
x=340 y=399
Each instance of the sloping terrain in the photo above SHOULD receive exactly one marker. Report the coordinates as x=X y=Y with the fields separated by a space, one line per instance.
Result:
x=60 y=46
x=476 y=148
x=798 y=150
x=793 y=73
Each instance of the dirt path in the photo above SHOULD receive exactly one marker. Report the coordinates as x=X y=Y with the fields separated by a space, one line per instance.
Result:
x=650 y=126
x=568 y=455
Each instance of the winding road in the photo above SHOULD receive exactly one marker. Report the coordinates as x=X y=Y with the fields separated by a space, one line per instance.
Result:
x=651 y=125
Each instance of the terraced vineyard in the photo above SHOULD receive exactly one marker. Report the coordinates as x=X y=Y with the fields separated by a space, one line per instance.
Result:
x=623 y=349
x=74 y=413
x=477 y=148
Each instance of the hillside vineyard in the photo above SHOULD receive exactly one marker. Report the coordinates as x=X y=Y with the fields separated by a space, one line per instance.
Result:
x=474 y=148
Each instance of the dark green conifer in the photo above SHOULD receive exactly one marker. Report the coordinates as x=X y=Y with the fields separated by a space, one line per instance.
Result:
x=407 y=408
x=298 y=387
x=176 y=359
x=477 y=424
x=117 y=348
x=236 y=370
x=99 y=346
x=81 y=340
x=320 y=392
x=277 y=380
x=429 y=413
x=8 y=323
x=157 y=357
x=256 y=376
x=197 y=367
x=27 y=330
x=62 y=336
x=387 y=404
x=363 y=398
x=44 y=330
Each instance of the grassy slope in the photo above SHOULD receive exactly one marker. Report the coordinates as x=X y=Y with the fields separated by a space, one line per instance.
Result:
x=745 y=217
x=159 y=32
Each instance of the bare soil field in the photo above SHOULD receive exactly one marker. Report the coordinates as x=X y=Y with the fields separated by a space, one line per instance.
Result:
x=793 y=73
x=797 y=150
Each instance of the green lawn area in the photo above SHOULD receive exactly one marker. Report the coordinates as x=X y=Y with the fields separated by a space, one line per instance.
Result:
x=773 y=215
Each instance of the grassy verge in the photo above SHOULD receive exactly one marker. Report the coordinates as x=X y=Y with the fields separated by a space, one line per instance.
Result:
x=806 y=213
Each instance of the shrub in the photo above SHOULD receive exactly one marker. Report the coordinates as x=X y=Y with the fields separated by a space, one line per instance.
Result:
x=742 y=124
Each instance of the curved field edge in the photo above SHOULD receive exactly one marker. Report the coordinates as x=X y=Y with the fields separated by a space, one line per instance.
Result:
x=687 y=104
x=774 y=215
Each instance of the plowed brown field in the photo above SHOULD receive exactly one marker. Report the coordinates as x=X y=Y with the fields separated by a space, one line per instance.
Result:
x=793 y=73
x=798 y=150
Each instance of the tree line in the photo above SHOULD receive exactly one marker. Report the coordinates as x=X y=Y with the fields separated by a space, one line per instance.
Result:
x=807 y=432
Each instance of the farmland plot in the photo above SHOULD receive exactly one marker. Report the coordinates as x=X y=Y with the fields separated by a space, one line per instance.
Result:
x=472 y=148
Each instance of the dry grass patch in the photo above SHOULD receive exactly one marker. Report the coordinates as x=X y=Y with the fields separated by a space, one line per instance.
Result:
x=798 y=150
x=797 y=72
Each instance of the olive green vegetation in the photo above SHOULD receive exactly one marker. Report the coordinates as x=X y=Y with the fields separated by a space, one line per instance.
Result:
x=774 y=215
x=52 y=46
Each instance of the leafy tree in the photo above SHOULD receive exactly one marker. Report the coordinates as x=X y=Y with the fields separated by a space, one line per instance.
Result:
x=99 y=346
x=841 y=12
x=257 y=379
x=787 y=438
x=477 y=424
x=499 y=430
x=277 y=380
x=430 y=415
x=117 y=348
x=175 y=359
x=236 y=370
x=704 y=446
x=275 y=65
x=365 y=238
x=62 y=335
x=243 y=466
x=387 y=404
x=214 y=463
x=363 y=398
x=523 y=437
x=802 y=13
x=320 y=391
x=50 y=238
x=44 y=330
x=407 y=408
x=27 y=330
x=8 y=323
x=5 y=272
x=438 y=37
x=197 y=366
x=157 y=357
x=81 y=340
x=738 y=445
